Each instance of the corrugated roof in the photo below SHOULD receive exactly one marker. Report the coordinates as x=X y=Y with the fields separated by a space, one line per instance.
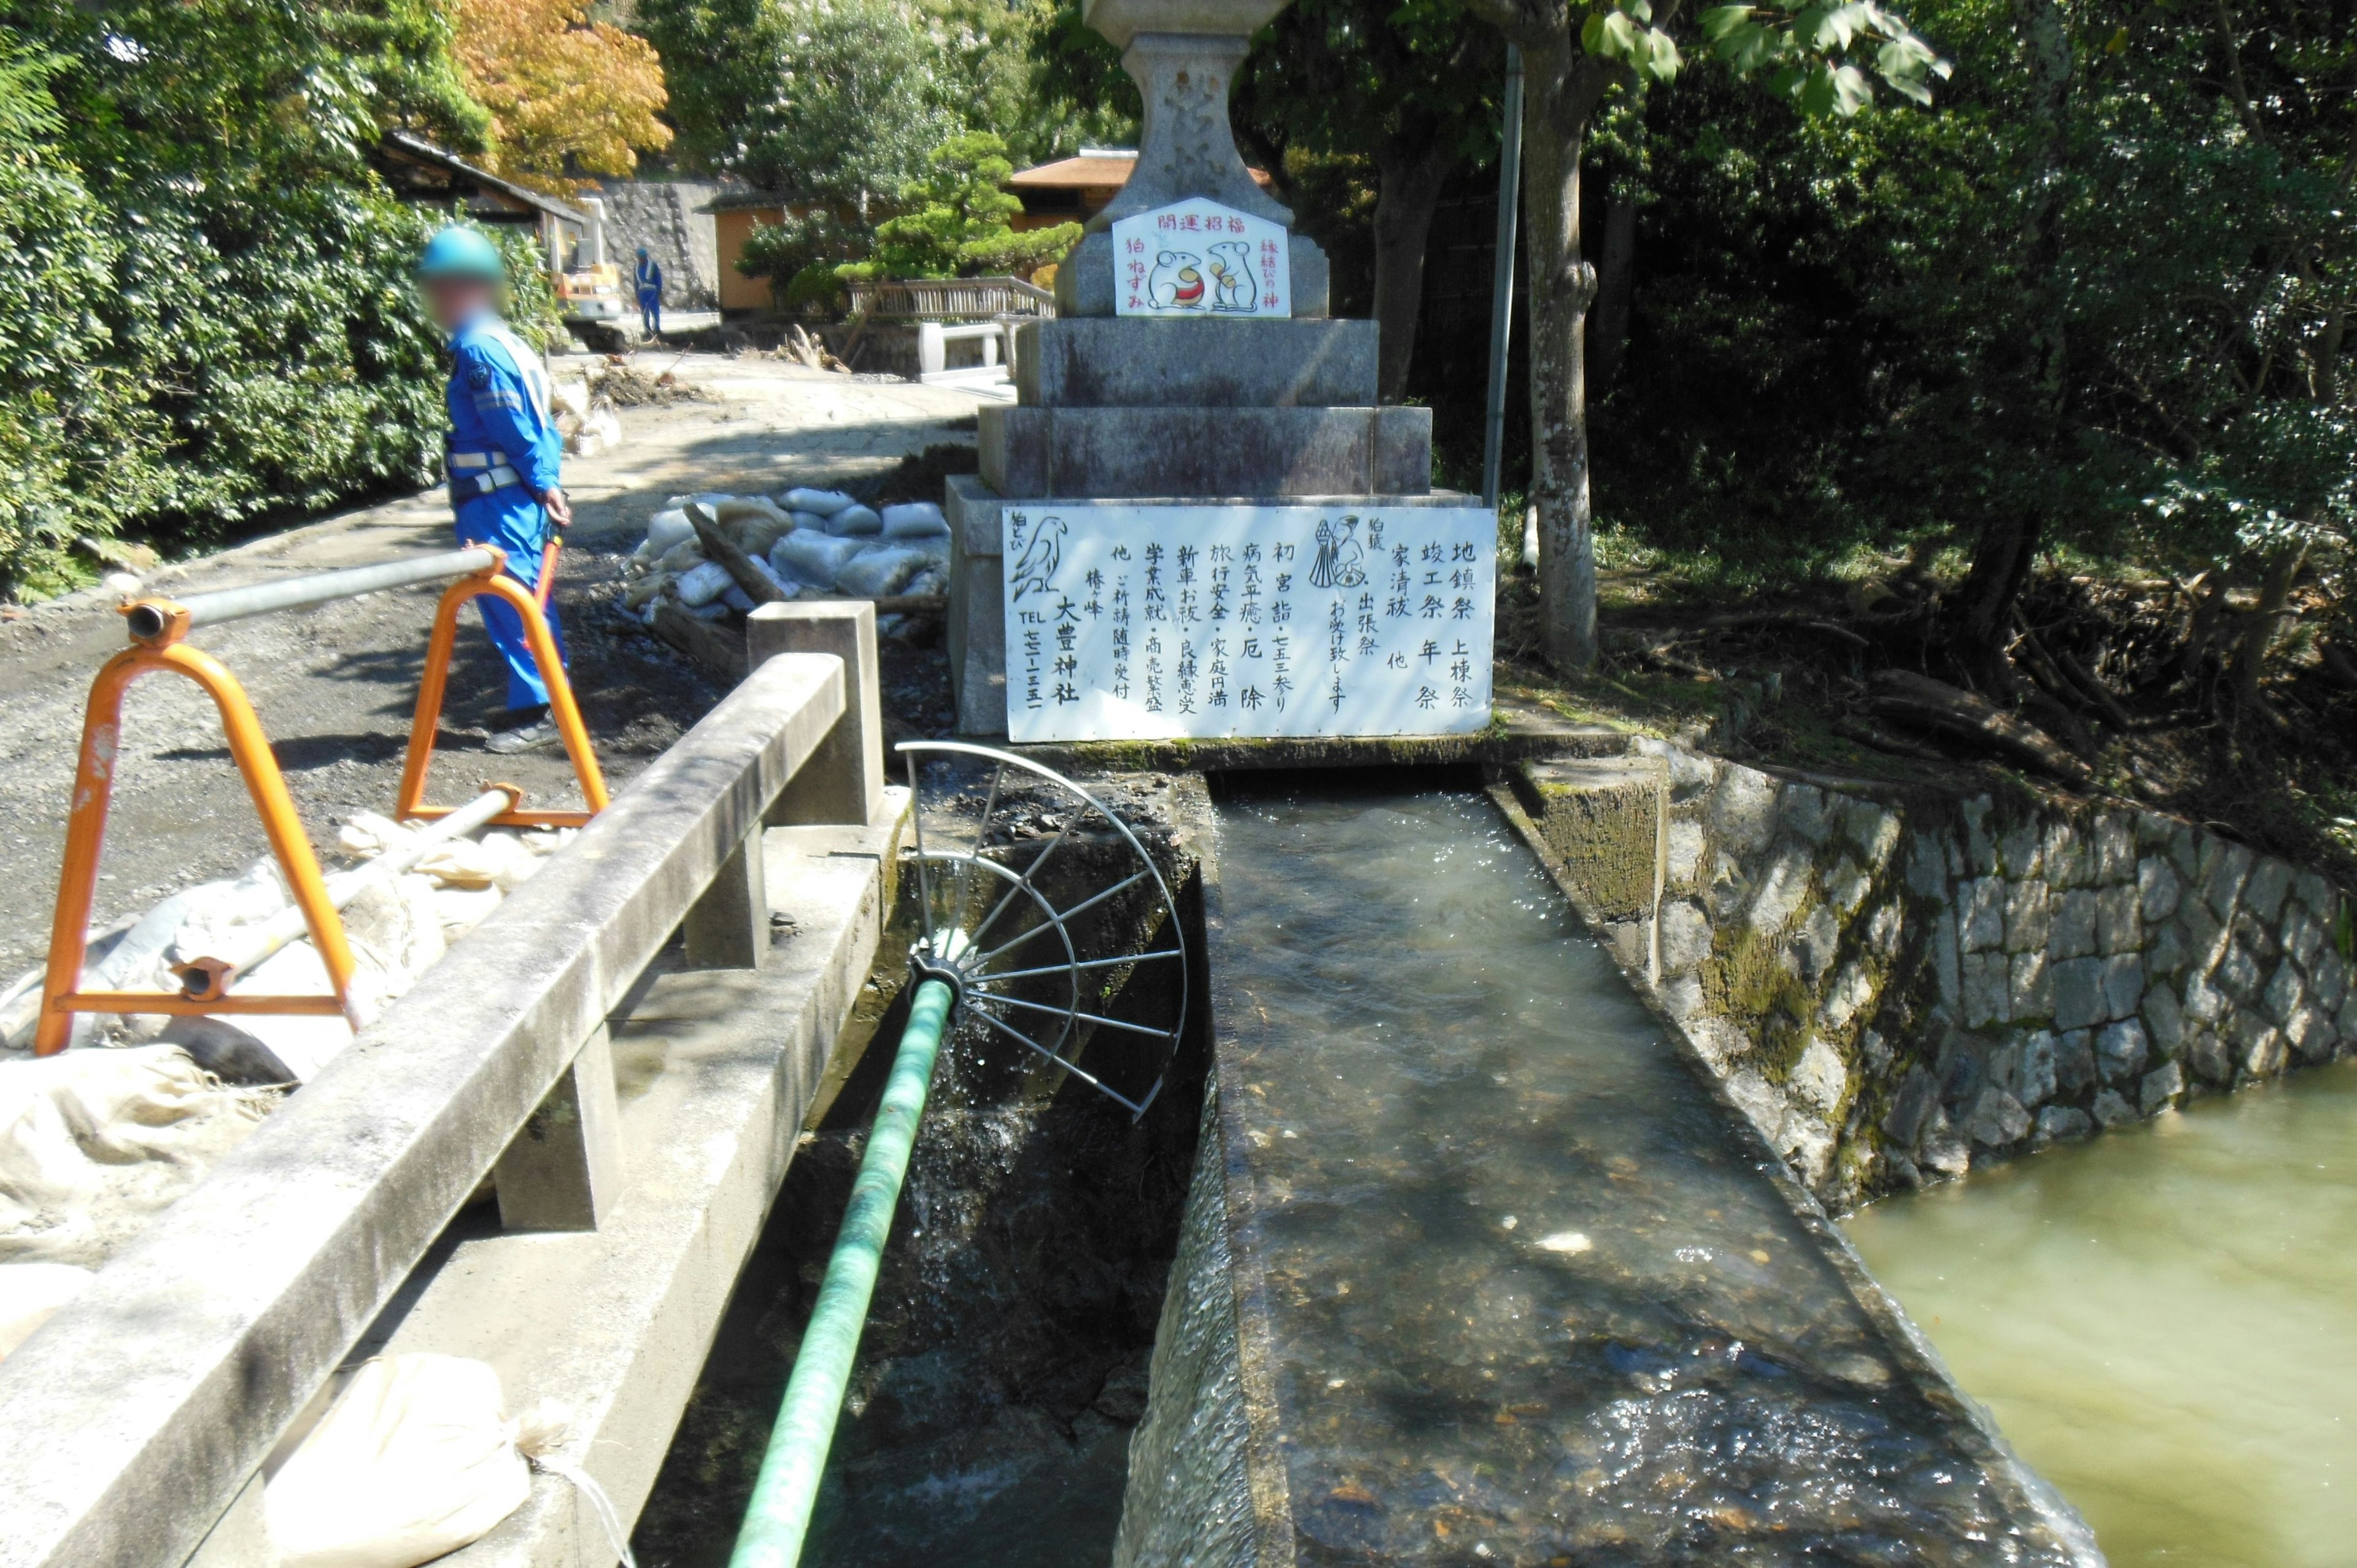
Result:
x=425 y=151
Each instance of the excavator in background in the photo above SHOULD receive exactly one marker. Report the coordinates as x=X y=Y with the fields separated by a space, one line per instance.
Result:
x=593 y=297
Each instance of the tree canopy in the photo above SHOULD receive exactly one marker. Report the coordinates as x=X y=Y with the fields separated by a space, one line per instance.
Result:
x=567 y=97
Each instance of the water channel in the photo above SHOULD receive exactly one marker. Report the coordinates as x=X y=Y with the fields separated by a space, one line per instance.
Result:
x=2164 y=1321
x=1535 y=1296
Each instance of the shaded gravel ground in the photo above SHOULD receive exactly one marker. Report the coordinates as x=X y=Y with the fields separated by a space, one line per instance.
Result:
x=335 y=687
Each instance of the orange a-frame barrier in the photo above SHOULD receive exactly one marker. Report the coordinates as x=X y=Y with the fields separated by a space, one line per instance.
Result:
x=164 y=648
x=101 y=734
x=411 y=802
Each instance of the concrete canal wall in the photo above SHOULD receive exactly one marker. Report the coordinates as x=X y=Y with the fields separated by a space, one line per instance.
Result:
x=1897 y=986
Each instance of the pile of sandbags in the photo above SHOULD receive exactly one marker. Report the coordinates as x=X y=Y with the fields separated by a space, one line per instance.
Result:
x=96 y=1139
x=396 y=929
x=810 y=543
x=93 y=1144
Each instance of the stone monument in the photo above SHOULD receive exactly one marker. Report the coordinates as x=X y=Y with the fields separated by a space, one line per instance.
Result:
x=1190 y=420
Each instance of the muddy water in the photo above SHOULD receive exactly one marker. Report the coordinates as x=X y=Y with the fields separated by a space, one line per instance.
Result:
x=2164 y=1320
x=1532 y=1295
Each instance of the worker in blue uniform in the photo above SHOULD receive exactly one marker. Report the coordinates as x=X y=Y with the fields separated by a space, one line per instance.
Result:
x=650 y=281
x=502 y=455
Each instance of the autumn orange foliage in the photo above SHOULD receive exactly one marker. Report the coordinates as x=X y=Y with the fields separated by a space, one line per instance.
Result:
x=567 y=96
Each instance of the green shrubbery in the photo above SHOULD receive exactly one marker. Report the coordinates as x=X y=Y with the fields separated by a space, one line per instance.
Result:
x=206 y=316
x=953 y=223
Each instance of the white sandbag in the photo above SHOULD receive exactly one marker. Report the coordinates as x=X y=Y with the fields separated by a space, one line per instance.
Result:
x=855 y=522
x=813 y=557
x=738 y=599
x=415 y=1459
x=914 y=520
x=667 y=528
x=684 y=556
x=461 y=909
x=94 y=1142
x=700 y=584
x=808 y=520
x=819 y=503
x=716 y=610
x=395 y=920
x=647 y=589
x=499 y=860
x=31 y=1293
x=927 y=581
x=302 y=1044
x=759 y=532
x=877 y=573
x=570 y=397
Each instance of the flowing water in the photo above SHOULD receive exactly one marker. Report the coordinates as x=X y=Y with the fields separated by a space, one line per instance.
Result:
x=1533 y=1295
x=2164 y=1321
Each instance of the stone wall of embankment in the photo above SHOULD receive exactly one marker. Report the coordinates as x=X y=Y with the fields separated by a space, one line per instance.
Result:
x=1897 y=986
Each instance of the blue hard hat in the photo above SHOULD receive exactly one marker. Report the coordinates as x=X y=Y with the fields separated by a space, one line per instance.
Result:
x=459 y=252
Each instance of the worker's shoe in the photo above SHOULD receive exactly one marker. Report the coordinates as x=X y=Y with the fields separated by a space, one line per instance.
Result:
x=524 y=738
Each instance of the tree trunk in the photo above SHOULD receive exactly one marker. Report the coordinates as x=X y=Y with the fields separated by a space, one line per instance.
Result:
x=2008 y=539
x=1412 y=170
x=1561 y=88
x=1616 y=287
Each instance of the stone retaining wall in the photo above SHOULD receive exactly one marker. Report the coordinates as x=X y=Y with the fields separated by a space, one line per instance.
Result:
x=1897 y=986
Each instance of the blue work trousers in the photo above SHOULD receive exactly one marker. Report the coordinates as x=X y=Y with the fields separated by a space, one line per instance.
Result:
x=514 y=522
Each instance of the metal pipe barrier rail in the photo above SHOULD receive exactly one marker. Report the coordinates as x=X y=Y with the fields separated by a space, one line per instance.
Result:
x=158 y=629
x=132 y=1422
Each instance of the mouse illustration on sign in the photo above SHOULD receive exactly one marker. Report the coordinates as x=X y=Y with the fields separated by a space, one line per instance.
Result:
x=1235 y=289
x=1339 y=555
x=1177 y=282
x=1039 y=558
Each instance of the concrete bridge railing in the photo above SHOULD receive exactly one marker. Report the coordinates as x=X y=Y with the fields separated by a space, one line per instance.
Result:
x=133 y=1425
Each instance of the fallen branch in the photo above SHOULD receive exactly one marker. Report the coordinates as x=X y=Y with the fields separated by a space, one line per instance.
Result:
x=1925 y=703
x=1867 y=735
x=719 y=546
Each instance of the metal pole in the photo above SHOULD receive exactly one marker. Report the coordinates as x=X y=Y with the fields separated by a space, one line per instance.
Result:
x=780 y=1512
x=212 y=976
x=149 y=618
x=1502 y=276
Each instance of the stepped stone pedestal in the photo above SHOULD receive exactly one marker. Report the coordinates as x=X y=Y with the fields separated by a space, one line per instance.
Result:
x=1170 y=414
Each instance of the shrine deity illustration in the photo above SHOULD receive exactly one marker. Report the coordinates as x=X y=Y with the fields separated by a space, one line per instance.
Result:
x=1177 y=282
x=1234 y=288
x=1339 y=555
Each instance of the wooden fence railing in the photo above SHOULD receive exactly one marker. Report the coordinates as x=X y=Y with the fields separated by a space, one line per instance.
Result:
x=950 y=299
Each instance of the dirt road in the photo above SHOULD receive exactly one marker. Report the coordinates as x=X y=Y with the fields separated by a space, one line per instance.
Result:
x=334 y=686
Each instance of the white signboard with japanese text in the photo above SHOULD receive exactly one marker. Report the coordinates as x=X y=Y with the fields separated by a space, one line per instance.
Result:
x=1197 y=258
x=1157 y=622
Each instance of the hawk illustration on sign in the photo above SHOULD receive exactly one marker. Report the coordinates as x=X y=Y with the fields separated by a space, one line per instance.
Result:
x=1036 y=568
x=1197 y=258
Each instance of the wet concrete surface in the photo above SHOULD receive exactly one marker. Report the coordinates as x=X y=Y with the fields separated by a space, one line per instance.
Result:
x=1528 y=1292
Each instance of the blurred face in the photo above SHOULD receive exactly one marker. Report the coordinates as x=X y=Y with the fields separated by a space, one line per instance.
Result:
x=455 y=301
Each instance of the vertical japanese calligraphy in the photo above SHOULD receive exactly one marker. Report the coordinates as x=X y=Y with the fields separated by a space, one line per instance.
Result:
x=1157 y=622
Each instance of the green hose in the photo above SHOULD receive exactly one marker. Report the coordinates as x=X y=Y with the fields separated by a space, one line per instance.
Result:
x=780 y=1508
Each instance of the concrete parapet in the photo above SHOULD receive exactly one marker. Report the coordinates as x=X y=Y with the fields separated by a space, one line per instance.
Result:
x=1096 y=362
x=133 y=1420
x=1202 y=452
x=614 y=1324
x=844 y=781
